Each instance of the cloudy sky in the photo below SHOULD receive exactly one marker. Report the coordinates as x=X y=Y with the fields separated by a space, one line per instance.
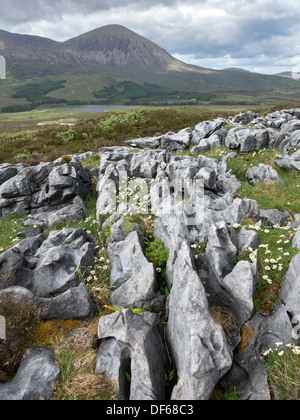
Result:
x=258 y=35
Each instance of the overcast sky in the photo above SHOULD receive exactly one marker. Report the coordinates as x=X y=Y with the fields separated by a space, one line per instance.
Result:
x=258 y=35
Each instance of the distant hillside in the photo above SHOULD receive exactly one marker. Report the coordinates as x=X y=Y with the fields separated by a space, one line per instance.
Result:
x=101 y=59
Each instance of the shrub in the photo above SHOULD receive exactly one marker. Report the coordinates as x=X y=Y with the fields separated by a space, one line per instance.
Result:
x=22 y=319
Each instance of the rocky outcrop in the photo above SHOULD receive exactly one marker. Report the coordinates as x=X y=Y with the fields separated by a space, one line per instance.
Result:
x=263 y=173
x=133 y=278
x=46 y=187
x=193 y=204
x=35 y=378
x=47 y=271
x=197 y=343
x=134 y=346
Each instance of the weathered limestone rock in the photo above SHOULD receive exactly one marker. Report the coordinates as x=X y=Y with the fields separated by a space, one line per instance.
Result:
x=48 y=267
x=221 y=253
x=205 y=129
x=135 y=345
x=240 y=284
x=133 y=278
x=35 y=378
x=274 y=217
x=46 y=187
x=75 y=303
x=263 y=173
x=198 y=344
x=290 y=290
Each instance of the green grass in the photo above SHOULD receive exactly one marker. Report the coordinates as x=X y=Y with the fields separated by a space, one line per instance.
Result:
x=268 y=195
x=10 y=226
x=283 y=369
x=273 y=260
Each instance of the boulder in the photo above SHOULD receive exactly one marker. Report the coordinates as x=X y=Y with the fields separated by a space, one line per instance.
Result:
x=133 y=278
x=245 y=118
x=48 y=267
x=221 y=253
x=296 y=240
x=240 y=210
x=240 y=284
x=291 y=126
x=247 y=239
x=197 y=343
x=205 y=129
x=176 y=141
x=68 y=214
x=274 y=217
x=35 y=378
x=75 y=303
x=145 y=143
x=134 y=345
x=46 y=187
x=290 y=289
x=263 y=173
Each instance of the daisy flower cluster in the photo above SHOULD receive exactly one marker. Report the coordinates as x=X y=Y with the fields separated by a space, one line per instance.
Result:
x=98 y=279
x=291 y=348
x=273 y=259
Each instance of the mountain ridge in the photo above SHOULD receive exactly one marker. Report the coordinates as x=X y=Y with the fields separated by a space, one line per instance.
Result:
x=112 y=54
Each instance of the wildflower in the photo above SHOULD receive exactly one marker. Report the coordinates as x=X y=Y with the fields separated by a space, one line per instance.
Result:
x=236 y=225
x=158 y=270
x=105 y=267
x=267 y=231
x=279 y=344
x=267 y=268
x=281 y=353
x=266 y=353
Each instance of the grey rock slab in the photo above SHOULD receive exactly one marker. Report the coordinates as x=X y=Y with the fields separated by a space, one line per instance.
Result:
x=245 y=118
x=136 y=346
x=221 y=252
x=72 y=304
x=241 y=209
x=205 y=129
x=48 y=267
x=274 y=217
x=68 y=214
x=263 y=173
x=172 y=230
x=296 y=240
x=197 y=343
x=241 y=286
x=291 y=126
x=35 y=378
x=176 y=141
x=46 y=187
x=247 y=239
x=145 y=143
x=290 y=289
x=114 y=361
x=132 y=277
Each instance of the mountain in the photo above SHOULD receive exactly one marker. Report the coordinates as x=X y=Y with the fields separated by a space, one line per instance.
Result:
x=107 y=56
x=115 y=45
